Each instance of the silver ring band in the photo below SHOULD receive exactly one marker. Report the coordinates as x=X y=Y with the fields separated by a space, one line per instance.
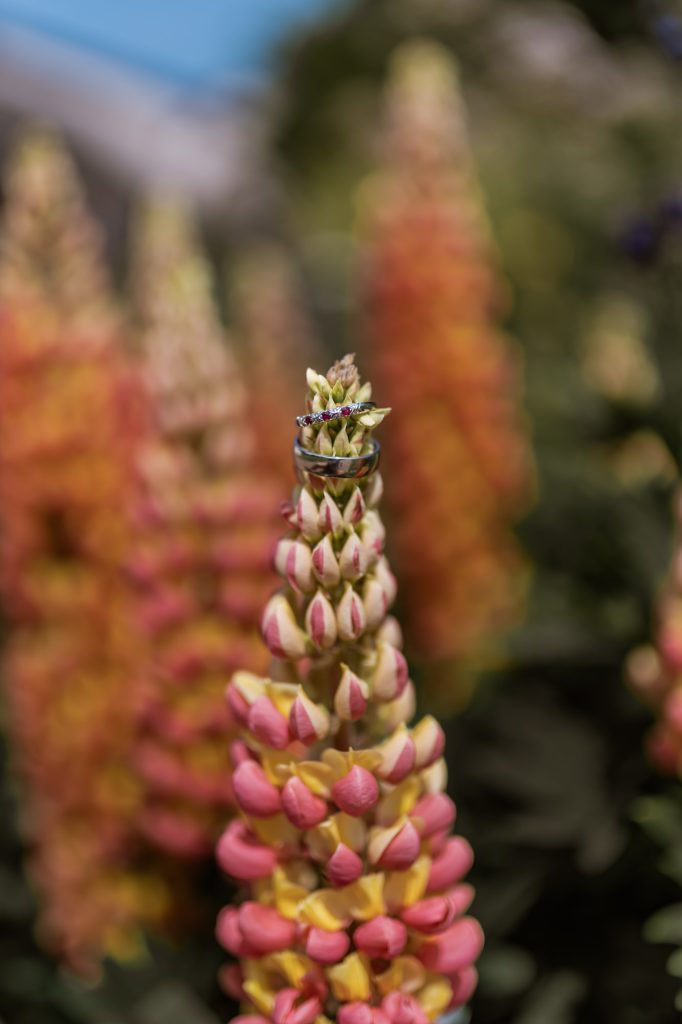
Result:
x=352 y=409
x=351 y=468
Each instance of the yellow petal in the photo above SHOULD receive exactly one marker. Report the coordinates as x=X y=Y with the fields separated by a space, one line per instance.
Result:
x=276 y=763
x=282 y=695
x=349 y=980
x=324 y=838
x=365 y=898
x=403 y=888
x=399 y=802
x=435 y=996
x=339 y=762
x=406 y=974
x=327 y=909
x=249 y=685
x=261 y=997
x=288 y=894
x=275 y=831
x=293 y=966
x=317 y=776
x=352 y=831
x=263 y=891
x=435 y=777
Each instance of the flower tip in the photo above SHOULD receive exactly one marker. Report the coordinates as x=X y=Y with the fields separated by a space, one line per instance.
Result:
x=268 y=724
x=357 y=792
x=344 y=866
x=303 y=809
x=308 y=722
x=326 y=947
x=255 y=795
x=382 y=938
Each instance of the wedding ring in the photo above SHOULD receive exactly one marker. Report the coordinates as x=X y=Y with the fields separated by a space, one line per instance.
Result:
x=346 y=468
x=334 y=414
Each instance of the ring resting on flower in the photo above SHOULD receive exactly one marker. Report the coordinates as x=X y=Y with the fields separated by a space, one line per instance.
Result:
x=352 y=409
x=351 y=467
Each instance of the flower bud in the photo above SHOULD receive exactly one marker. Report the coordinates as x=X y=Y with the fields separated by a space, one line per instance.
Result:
x=237 y=704
x=239 y=752
x=374 y=490
x=403 y=1008
x=356 y=792
x=395 y=848
x=228 y=932
x=353 y=558
x=390 y=631
x=355 y=1013
x=383 y=937
x=354 y=508
x=282 y=549
x=329 y=518
x=350 y=615
x=298 y=566
x=231 y=981
x=433 y=813
x=373 y=535
x=283 y=636
x=307 y=515
x=326 y=947
x=400 y=710
x=387 y=580
x=325 y=565
x=429 y=741
x=398 y=755
x=461 y=898
x=350 y=699
x=320 y=621
x=267 y=724
x=344 y=866
x=264 y=929
x=239 y=854
x=292 y=1007
x=308 y=722
x=453 y=949
x=431 y=915
x=254 y=793
x=463 y=986
x=301 y=806
x=389 y=677
x=374 y=601
x=451 y=865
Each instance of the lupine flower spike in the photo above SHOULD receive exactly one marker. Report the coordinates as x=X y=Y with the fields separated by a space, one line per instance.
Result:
x=655 y=670
x=70 y=414
x=207 y=530
x=354 y=906
x=457 y=457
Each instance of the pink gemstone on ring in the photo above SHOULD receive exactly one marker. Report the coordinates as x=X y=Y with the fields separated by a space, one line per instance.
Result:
x=326 y=416
x=346 y=410
x=307 y=420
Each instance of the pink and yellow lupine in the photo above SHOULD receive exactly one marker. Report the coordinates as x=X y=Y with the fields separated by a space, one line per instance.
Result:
x=655 y=670
x=70 y=414
x=431 y=342
x=277 y=338
x=354 y=906
x=207 y=530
